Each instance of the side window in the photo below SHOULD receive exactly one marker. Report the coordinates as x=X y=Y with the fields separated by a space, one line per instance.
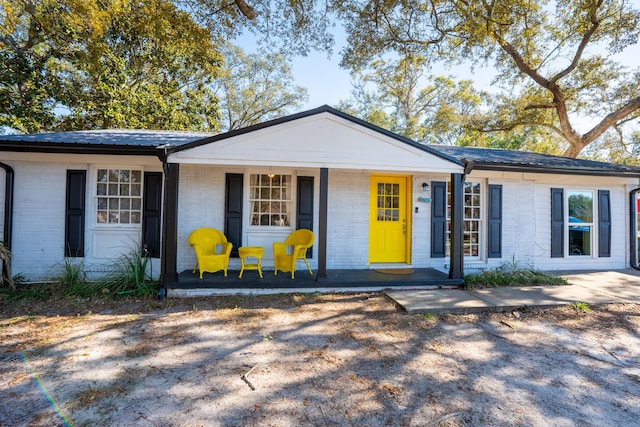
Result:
x=119 y=196
x=472 y=219
x=580 y=222
x=270 y=200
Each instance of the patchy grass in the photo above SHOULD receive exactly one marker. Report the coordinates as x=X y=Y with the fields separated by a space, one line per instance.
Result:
x=582 y=306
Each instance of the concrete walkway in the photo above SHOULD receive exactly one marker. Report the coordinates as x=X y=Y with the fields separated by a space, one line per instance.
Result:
x=591 y=287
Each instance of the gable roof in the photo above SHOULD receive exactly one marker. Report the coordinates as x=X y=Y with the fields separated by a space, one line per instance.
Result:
x=310 y=113
x=522 y=161
x=319 y=138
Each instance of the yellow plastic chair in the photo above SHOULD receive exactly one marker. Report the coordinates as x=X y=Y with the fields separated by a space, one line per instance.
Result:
x=285 y=254
x=212 y=250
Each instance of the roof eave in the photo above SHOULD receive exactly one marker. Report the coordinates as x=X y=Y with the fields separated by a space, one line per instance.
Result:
x=61 y=148
x=553 y=170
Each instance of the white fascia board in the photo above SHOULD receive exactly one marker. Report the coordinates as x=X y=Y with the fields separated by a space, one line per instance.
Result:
x=319 y=141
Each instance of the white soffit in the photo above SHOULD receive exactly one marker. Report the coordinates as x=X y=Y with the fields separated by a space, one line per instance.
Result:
x=322 y=140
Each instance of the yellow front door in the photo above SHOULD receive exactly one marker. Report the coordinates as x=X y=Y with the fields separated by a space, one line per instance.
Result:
x=388 y=224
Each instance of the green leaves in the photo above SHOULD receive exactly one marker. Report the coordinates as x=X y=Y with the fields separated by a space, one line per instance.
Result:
x=559 y=53
x=82 y=64
x=255 y=88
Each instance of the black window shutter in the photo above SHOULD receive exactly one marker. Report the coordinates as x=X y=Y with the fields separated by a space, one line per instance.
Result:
x=304 y=214
x=152 y=213
x=74 y=213
x=495 y=222
x=604 y=224
x=557 y=223
x=438 y=218
x=233 y=210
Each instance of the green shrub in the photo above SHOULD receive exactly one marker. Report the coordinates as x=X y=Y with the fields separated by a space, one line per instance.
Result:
x=510 y=274
x=129 y=275
x=72 y=277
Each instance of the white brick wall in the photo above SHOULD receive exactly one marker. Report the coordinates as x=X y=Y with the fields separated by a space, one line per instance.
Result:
x=39 y=199
x=38 y=222
x=39 y=216
x=201 y=201
x=619 y=247
x=348 y=220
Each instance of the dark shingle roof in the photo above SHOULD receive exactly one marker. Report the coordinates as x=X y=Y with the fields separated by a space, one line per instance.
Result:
x=111 y=141
x=521 y=161
x=145 y=142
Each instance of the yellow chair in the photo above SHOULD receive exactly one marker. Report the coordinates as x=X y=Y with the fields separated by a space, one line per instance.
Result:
x=298 y=242
x=212 y=250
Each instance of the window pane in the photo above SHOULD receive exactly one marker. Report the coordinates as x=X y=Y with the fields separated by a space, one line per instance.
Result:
x=472 y=219
x=581 y=206
x=124 y=188
x=579 y=240
x=270 y=195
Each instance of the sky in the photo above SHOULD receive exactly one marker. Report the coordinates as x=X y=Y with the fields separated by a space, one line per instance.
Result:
x=327 y=83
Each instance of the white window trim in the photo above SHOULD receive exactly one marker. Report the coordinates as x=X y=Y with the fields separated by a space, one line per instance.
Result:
x=482 y=231
x=594 y=229
x=93 y=190
x=248 y=228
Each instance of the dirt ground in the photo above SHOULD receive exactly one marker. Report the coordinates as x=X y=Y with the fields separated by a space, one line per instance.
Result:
x=314 y=360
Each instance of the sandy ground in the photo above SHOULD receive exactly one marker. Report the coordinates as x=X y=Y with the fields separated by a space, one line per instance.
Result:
x=314 y=360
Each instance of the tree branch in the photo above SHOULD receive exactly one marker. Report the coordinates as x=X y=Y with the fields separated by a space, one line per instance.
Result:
x=246 y=10
x=537 y=106
x=586 y=37
x=611 y=120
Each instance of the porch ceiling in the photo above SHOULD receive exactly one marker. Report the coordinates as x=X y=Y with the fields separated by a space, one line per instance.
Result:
x=319 y=141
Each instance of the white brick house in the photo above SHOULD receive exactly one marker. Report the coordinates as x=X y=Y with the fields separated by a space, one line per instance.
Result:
x=374 y=199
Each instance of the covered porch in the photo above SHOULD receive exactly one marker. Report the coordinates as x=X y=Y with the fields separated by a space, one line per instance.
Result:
x=342 y=280
x=332 y=164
